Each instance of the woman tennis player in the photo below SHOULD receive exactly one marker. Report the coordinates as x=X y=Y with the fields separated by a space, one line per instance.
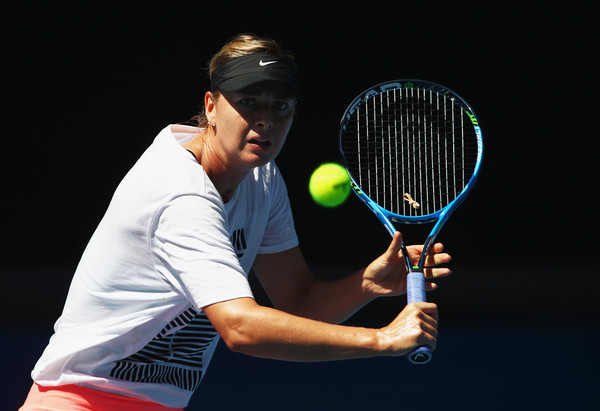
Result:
x=165 y=273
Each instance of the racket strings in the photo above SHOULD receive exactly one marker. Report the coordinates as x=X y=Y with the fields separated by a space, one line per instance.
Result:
x=410 y=143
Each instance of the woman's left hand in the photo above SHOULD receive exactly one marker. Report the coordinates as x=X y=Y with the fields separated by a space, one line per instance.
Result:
x=387 y=274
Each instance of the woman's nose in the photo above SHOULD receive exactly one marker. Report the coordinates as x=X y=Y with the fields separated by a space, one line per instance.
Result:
x=264 y=118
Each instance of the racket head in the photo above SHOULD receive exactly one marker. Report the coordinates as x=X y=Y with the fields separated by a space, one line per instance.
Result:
x=412 y=148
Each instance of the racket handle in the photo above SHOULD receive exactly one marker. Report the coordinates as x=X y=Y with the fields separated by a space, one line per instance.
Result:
x=415 y=288
x=415 y=293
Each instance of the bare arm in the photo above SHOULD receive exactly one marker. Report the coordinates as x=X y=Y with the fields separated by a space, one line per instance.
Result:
x=251 y=329
x=292 y=288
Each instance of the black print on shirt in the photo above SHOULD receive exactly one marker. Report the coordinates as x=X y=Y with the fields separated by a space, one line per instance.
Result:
x=174 y=356
x=238 y=239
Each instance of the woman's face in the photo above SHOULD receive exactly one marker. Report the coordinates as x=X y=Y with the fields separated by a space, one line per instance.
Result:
x=252 y=124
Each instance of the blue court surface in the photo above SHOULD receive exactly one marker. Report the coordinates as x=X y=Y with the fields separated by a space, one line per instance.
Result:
x=476 y=367
x=509 y=368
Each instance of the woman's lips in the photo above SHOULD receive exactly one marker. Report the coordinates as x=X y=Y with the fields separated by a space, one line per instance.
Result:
x=260 y=142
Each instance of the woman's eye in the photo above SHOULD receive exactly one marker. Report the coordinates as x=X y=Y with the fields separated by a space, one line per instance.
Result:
x=248 y=102
x=281 y=105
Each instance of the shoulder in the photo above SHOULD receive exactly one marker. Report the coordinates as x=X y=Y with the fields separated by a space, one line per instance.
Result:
x=167 y=162
x=163 y=173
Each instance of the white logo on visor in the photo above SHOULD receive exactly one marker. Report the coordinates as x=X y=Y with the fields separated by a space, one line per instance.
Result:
x=266 y=63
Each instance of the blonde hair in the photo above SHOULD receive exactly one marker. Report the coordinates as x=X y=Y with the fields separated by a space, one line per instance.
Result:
x=240 y=45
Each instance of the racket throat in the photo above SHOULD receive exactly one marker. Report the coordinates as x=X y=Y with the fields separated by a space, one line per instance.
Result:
x=413 y=267
x=428 y=242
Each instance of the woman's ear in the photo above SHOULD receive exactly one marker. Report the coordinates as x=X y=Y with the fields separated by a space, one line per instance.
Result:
x=210 y=107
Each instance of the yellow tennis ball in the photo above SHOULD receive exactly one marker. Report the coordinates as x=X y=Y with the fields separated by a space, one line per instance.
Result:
x=329 y=185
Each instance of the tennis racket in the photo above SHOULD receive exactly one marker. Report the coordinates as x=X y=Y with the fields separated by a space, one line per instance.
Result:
x=413 y=151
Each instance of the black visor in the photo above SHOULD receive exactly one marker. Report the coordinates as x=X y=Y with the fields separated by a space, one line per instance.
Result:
x=241 y=72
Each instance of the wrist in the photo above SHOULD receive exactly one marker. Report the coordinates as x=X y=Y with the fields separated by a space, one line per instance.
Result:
x=366 y=286
x=383 y=343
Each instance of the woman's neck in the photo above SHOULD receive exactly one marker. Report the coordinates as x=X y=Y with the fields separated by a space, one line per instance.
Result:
x=225 y=178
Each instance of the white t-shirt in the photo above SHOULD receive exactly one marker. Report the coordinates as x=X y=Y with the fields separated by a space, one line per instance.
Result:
x=133 y=322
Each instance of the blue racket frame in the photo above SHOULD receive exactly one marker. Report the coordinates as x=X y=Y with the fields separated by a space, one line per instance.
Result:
x=415 y=284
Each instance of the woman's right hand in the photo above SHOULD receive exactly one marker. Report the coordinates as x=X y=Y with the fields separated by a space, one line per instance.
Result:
x=414 y=327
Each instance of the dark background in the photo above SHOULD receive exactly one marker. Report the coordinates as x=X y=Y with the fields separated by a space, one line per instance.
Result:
x=88 y=88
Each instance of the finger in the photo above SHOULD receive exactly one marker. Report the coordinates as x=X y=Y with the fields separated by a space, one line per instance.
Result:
x=395 y=245
x=429 y=309
x=428 y=325
x=436 y=259
x=441 y=272
x=435 y=248
x=428 y=339
x=432 y=249
x=430 y=328
x=415 y=251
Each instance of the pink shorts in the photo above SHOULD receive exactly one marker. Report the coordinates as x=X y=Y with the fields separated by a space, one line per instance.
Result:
x=76 y=398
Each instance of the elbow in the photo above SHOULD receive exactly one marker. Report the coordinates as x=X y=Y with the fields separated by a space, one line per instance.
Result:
x=236 y=324
x=238 y=340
